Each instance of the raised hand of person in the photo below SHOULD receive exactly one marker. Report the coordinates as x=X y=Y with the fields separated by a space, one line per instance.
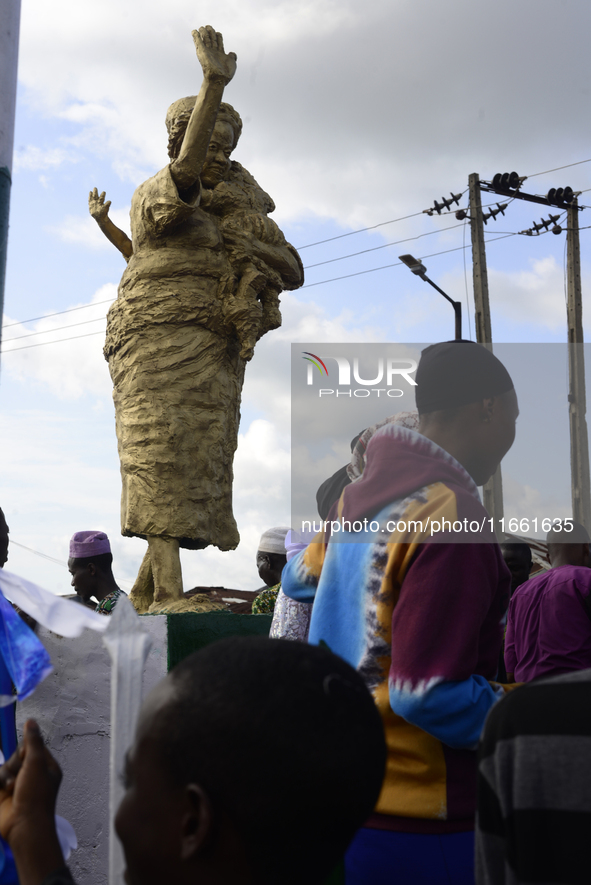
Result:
x=216 y=64
x=29 y=784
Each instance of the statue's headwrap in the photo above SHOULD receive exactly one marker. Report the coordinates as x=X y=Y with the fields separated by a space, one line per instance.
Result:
x=180 y=111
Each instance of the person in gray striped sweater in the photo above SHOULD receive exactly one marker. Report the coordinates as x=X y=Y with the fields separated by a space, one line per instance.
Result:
x=534 y=785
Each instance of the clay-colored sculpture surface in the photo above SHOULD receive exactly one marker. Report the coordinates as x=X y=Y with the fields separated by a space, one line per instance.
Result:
x=205 y=269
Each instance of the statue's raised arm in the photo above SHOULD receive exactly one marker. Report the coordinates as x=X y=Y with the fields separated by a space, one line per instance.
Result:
x=218 y=69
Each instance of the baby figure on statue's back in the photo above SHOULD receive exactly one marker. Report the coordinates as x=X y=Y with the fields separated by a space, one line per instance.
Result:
x=242 y=207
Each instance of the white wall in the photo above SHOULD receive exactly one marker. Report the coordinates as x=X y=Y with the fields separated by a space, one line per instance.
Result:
x=72 y=707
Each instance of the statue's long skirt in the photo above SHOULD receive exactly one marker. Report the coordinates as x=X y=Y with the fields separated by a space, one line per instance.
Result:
x=177 y=390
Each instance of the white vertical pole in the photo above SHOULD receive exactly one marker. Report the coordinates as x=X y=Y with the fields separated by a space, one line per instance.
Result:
x=10 y=13
x=128 y=645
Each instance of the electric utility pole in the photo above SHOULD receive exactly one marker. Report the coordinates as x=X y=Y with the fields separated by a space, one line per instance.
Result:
x=493 y=489
x=564 y=198
x=508 y=185
x=579 y=443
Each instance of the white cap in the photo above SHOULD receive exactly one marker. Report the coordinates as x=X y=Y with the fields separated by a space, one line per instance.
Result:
x=273 y=540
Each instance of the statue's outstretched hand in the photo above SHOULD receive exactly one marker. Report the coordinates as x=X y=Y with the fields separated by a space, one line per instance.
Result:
x=216 y=64
x=100 y=212
x=97 y=206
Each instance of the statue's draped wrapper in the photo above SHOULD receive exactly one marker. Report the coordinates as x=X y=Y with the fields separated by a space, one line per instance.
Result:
x=176 y=372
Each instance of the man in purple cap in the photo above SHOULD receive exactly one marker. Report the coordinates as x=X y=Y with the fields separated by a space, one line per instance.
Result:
x=90 y=566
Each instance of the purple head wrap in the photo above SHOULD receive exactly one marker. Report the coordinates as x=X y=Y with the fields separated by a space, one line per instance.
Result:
x=86 y=544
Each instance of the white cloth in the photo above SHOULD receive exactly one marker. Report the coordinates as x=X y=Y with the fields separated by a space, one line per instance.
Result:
x=295 y=542
x=66 y=836
x=53 y=612
x=291 y=619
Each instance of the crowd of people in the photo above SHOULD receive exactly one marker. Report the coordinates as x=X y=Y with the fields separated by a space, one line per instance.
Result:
x=429 y=725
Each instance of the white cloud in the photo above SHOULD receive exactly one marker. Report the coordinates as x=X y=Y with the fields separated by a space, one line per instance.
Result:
x=68 y=369
x=50 y=485
x=536 y=295
x=72 y=369
x=343 y=117
x=532 y=299
x=84 y=231
x=34 y=158
x=261 y=500
x=531 y=507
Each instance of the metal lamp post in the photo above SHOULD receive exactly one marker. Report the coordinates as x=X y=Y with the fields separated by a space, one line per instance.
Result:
x=420 y=270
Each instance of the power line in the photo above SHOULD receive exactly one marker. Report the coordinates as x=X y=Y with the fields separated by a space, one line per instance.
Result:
x=384 y=246
x=404 y=217
x=58 y=313
x=307 y=246
x=44 y=343
x=360 y=231
x=398 y=263
x=37 y=553
x=558 y=168
x=59 y=562
x=58 y=329
x=307 y=286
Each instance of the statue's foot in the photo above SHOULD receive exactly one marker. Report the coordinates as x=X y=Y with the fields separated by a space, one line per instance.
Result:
x=166 y=569
x=142 y=592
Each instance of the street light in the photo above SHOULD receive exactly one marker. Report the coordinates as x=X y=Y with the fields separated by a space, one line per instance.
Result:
x=420 y=270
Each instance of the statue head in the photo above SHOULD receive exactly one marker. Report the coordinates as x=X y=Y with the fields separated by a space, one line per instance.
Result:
x=179 y=113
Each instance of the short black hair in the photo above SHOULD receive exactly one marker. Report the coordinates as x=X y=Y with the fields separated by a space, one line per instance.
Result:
x=103 y=562
x=244 y=703
x=517 y=547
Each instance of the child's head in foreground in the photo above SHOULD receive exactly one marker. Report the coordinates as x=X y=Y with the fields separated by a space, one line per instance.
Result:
x=255 y=760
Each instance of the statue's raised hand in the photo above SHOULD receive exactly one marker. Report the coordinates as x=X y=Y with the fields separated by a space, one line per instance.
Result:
x=216 y=64
x=97 y=206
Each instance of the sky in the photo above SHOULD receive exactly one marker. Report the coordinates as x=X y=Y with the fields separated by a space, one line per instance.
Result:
x=356 y=118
